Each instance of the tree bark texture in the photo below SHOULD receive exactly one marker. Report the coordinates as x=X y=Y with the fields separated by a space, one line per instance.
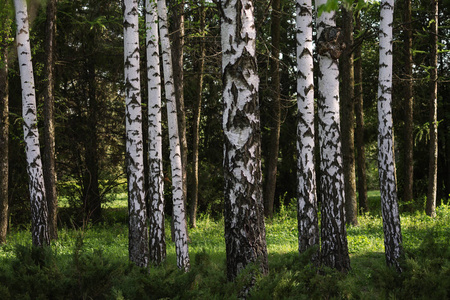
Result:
x=433 y=154
x=245 y=236
x=156 y=177
x=179 y=214
x=138 y=233
x=271 y=169
x=347 y=119
x=359 y=133
x=386 y=161
x=308 y=223
x=49 y=122
x=409 y=101
x=4 y=138
x=200 y=66
x=39 y=213
x=334 y=251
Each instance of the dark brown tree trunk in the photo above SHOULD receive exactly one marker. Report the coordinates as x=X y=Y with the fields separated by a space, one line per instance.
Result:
x=4 y=140
x=409 y=100
x=347 y=119
x=271 y=169
x=49 y=122
x=197 y=113
x=359 y=134
x=432 y=175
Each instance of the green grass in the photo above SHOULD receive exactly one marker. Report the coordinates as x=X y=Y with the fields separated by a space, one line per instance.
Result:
x=92 y=262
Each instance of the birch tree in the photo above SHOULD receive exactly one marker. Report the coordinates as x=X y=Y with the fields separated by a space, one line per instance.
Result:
x=308 y=224
x=156 y=183
x=39 y=213
x=386 y=162
x=138 y=233
x=245 y=236
x=334 y=251
x=179 y=214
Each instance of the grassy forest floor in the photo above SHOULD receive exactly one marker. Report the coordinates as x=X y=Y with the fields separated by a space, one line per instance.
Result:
x=92 y=263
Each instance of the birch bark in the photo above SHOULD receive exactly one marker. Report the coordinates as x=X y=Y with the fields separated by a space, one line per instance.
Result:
x=334 y=251
x=386 y=162
x=308 y=224
x=156 y=183
x=179 y=214
x=138 y=233
x=245 y=236
x=39 y=213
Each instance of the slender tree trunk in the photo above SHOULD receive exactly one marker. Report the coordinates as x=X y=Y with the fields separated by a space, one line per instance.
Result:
x=271 y=171
x=334 y=252
x=138 y=233
x=39 y=213
x=245 y=236
x=156 y=177
x=386 y=161
x=347 y=119
x=359 y=134
x=179 y=214
x=308 y=223
x=409 y=100
x=197 y=112
x=4 y=137
x=177 y=37
x=49 y=122
x=432 y=175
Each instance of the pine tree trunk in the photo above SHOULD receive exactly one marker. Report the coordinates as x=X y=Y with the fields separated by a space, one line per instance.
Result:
x=138 y=233
x=179 y=214
x=409 y=101
x=196 y=123
x=347 y=119
x=359 y=134
x=271 y=171
x=433 y=154
x=334 y=251
x=39 y=212
x=156 y=177
x=308 y=223
x=4 y=138
x=49 y=122
x=386 y=161
x=245 y=236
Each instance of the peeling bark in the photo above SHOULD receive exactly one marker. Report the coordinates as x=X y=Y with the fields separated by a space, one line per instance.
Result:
x=138 y=233
x=156 y=177
x=334 y=251
x=386 y=161
x=39 y=213
x=179 y=214
x=308 y=224
x=245 y=236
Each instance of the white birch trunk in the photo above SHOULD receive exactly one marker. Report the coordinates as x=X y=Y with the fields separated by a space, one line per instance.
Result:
x=179 y=214
x=156 y=183
x=334 y=251
x=386 y=162
x=245 y=236
x=138 y=233
x=308 y=224
x=39 y=213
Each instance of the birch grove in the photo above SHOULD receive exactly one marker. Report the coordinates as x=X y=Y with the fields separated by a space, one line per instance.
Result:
x=39 y=213
x=245 y=236
x=179 y=213
x=156 y=183
x=334 y=251
x=386 y=161
x=138 y=233
x=308 y=224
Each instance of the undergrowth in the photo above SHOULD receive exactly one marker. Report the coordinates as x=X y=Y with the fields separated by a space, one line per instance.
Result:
x=92 y=264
